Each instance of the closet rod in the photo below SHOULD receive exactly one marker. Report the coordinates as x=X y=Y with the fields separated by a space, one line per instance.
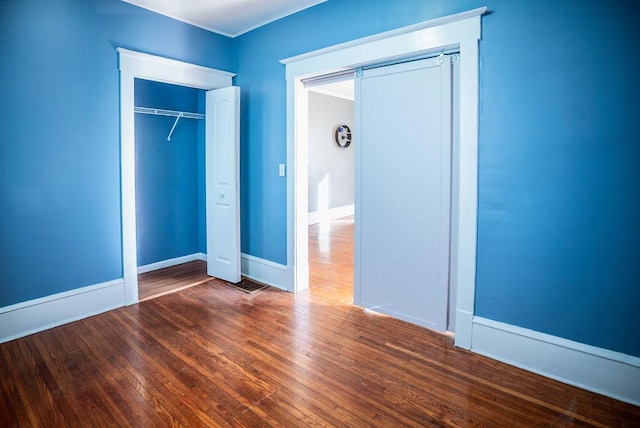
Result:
x=161 y=112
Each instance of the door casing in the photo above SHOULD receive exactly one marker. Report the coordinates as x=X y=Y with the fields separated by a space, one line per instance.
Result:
x=139 y=65
x=462 y=32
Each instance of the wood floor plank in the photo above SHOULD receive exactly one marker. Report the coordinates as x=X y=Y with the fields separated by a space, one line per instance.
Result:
x=76 y=362
x=58 y=401
x=144 y=380
x=193 y=367
x=170 y=382
x=137 y=410
x=17 y=389
x=209 y=355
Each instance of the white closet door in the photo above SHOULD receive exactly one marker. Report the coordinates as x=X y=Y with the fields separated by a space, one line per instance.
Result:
x=223 y=183
x=403 y=173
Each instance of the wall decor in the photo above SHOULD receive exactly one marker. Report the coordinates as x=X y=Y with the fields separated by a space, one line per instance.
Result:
x=343 y=136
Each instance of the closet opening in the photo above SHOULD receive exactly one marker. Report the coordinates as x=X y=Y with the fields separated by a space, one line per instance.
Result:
x=169 y=187
x=225 y=103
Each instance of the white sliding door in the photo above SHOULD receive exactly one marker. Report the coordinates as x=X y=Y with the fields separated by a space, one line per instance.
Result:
x=223 y=183
x=403 y=191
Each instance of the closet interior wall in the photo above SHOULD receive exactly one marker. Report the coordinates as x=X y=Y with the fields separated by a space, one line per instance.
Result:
x=170 y=216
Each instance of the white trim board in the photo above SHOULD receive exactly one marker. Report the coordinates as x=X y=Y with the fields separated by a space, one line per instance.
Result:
x=605 y=372
x=462 y=31
x=171 y=262
x=266 y=272
x=41 y=314
x=150 y=67
x=330 y=214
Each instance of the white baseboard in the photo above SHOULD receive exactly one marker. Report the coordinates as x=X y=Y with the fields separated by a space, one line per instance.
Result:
x=47 y=312
x=171 y=262
x=605 y=372
x=267 y=272
x=331 y=214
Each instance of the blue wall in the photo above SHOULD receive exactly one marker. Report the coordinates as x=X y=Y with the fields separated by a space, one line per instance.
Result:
x=167 y=179
x=559 y=209
x=60 y=225
x=559 y=187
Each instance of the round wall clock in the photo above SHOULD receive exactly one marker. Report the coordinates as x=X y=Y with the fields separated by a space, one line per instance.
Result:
x=343 y=136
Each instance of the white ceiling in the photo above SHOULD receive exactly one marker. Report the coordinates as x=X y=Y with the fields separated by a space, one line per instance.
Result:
x=227 y=17
x=344 y=89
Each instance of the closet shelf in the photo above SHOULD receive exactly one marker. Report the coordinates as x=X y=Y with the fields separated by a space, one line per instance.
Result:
x=161 y=112
x=177 y=114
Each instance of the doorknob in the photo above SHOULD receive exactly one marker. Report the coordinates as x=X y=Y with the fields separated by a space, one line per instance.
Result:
x=221 y=195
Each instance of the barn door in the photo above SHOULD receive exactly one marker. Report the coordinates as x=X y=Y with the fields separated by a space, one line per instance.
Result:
x=403 y=196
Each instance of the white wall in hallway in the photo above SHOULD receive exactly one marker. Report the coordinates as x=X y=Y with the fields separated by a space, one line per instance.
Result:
x=331 y=168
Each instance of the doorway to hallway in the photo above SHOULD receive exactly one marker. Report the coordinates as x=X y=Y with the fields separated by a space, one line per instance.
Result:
x=405 y=124
x=331 y=179
x=460 y=31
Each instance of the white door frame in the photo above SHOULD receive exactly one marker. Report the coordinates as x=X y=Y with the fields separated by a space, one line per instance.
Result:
x=134 y=65
x=460 y=31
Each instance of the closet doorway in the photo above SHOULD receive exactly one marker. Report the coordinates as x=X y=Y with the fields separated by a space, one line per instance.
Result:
x=181 y=164
x=170 y=187
x=221 y=158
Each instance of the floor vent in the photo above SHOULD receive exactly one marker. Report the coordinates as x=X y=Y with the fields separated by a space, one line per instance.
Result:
x=247 y=286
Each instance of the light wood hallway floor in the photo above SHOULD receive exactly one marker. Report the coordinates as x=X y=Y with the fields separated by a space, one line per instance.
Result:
x=210 y=355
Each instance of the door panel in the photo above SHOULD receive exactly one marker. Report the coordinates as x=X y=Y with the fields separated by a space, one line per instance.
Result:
x=403 y=177
x=223 y=183
x=224 y=152
x=222 y=253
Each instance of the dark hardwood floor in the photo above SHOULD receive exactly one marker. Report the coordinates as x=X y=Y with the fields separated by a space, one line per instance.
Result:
x=210 y=355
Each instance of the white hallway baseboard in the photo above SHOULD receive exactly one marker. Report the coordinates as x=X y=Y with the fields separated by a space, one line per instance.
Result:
x=331 y=214
x=599 y=370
